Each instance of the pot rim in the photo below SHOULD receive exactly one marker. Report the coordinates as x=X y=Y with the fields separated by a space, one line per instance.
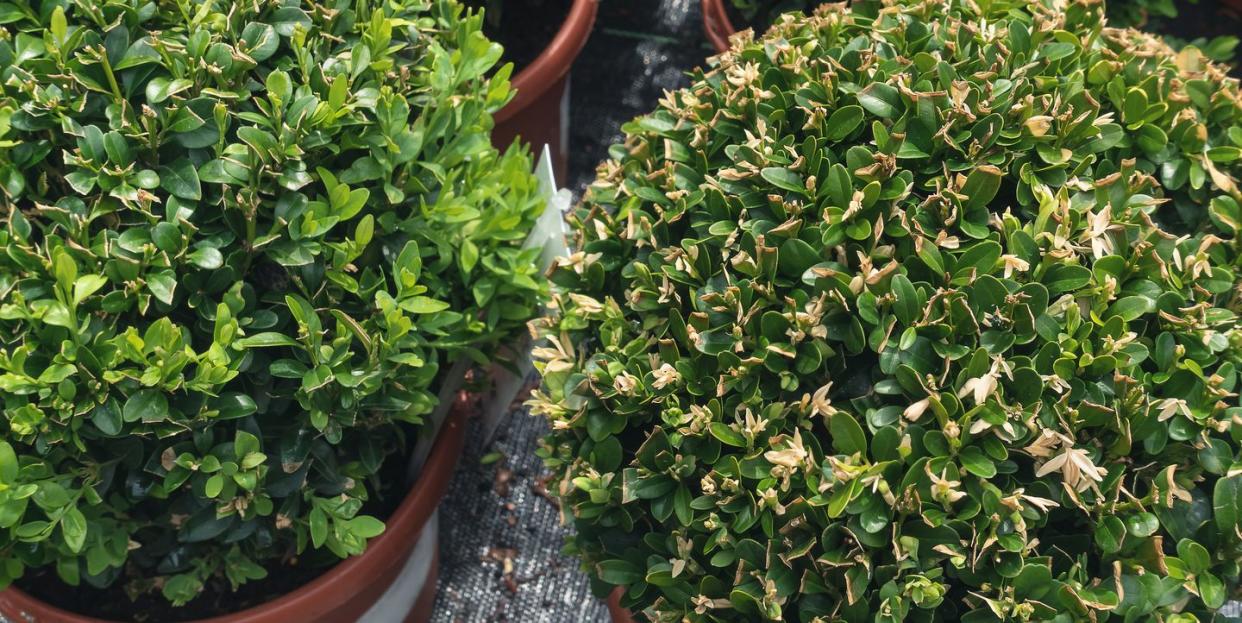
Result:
x=347 y=578
x=717 y=25
x=554 y=62
x=618 y=613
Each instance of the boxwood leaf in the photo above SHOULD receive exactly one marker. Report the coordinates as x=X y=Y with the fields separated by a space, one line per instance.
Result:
x=181 y=180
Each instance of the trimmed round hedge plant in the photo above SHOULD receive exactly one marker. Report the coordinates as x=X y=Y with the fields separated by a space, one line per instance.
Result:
x=242 y=243
x=917 y=311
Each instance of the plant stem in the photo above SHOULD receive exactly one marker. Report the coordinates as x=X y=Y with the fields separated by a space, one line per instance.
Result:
x=107 y=67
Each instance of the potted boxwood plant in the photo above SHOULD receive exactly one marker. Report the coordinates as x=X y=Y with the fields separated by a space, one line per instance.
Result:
x=542 y=38
x=927 y=313
x=243 y=243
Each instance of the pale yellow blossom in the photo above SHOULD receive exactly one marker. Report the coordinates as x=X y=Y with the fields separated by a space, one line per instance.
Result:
x=943 y=490
x=625 y=383
x=793 y=455
x=1076 y=468
x=916 y=410
x=665 y=375
x=1170 y=407
x=1014 y=264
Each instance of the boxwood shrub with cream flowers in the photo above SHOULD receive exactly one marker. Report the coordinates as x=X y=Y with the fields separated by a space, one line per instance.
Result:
x=241 y=243
x=918 y=311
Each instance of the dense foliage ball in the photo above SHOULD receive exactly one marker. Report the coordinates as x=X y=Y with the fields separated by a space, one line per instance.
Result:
x=242 y=242
x=912 y=311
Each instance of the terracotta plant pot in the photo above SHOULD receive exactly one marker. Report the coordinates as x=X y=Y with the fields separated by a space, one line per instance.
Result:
x=346 y=591
x=717 y=25
x=619 y=614
x=539 y=113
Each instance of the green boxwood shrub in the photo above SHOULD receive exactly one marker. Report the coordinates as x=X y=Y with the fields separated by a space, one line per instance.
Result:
x=242 y=241
x=918 y=311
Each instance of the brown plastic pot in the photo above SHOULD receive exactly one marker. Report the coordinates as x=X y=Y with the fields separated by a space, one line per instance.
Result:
x=347 y=590
x=619 y=614
x=539 y=113
x=717 y=25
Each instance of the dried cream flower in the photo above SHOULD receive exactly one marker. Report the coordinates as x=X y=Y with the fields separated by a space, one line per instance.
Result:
x=1013 y=264
x=664 y=376
x=821 y=403
x=980 y=388
x=625 y=383
x=1076 y=468
x=586 y=303
x=943 y=490
x=1038 y=125
x=1043 y=504
x=1099 y=224
x=768 y=499
x=793 y=456
x=916 y=410
x=1170 y=407
x=1055 y=383
x=1047 y=441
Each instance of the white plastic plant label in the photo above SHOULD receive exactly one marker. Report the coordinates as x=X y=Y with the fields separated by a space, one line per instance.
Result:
x=549 y=231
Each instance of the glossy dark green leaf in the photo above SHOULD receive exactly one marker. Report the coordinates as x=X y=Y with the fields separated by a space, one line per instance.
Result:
x=147 y=405
x=847 y=435
x=1110 y=534
x=784 y=179
x=976 y=462
x=181 y=179
x=1227 y=503
x=907 y=303
x=843 y=121
x=881 y=100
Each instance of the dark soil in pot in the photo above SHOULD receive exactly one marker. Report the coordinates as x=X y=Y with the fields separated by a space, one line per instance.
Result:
x=524 y=27
x=218 y=598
